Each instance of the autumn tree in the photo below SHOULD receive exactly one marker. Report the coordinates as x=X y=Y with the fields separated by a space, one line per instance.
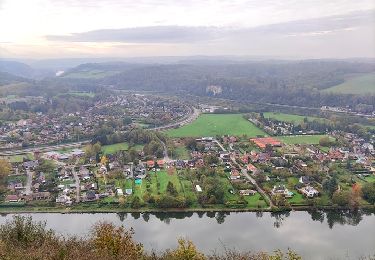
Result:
x=5 y=168
x=186 y=250
x=355 y=196
x=115 y=242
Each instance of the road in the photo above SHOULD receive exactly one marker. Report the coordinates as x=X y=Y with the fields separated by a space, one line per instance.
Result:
x=187 y=120
x=251 y=179
x=165 y=152
x=78 y=185
x=29 y=182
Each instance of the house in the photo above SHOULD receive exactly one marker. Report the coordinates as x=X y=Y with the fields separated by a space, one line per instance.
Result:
x=15 y=185
x=128 y=191
x=119 y=192
x=150 y=164
x=309 y=191
x=160 y=163
x=281 y=189
x=30 y=164
x=305 y=180
x=251 y=168
x=90 y=195
x=247 y=192
x=198 y=188
x=235 y=175
x=45 y=195
x=63 y=199
x=12 y=198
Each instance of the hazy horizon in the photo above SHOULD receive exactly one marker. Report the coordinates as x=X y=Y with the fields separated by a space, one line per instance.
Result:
x=44 y=29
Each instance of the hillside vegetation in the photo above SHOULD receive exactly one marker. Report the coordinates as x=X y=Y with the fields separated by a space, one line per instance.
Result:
x=22 y=238
x=363 y=84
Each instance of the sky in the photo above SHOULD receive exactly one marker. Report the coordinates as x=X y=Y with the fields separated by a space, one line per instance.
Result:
x=42 y=29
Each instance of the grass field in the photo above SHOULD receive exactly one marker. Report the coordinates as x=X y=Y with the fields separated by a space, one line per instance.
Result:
x=301 y=139
x=113 y=148
x=289 y=117
x=217 y=124
x=360 y=85
x=19 y=158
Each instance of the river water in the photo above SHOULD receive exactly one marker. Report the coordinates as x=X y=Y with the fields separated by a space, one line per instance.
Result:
x=314 y=235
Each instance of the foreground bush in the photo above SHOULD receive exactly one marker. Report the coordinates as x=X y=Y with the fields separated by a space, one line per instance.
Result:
x=22 y=238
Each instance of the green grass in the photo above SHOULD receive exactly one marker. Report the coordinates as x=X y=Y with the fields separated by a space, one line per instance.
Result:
x=370 y=178
x=361 y=85
x=217 y=124
x=297 y=198
x=181 y=153
x=301 y=139
x=164 y=178
x=290 y=117
x=94 y=74
x=255 y=201
x=113 y=148
x=19 y=158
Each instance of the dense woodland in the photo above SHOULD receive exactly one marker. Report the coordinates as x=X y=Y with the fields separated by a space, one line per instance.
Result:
x=296 y=83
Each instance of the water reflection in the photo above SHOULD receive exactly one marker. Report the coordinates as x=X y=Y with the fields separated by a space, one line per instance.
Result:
x=333 y=217
x=314 y=234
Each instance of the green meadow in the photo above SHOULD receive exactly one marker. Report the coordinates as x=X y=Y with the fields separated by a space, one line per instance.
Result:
x=289 y=117
x=301 y=139
x=361 y=85
x=217 y=124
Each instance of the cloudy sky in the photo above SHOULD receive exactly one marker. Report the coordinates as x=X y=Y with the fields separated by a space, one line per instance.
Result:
x=130 y=28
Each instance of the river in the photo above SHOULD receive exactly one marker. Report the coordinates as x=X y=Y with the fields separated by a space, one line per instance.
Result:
x=314 y=235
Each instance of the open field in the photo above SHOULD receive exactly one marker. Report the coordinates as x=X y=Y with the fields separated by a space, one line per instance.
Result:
x=289 y=117
x=217 y=124
x=301 y=139
x=113 y=148
x=18 y=158
x=95 y=74
x=360 y=85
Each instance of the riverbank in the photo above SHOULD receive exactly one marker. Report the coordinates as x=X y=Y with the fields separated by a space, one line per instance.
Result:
x=21 y=210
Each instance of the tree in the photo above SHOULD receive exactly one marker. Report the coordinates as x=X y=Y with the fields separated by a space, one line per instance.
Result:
x=113 y=242
x=46 y=166
x=5 y=168
x=341 y=198
x=186 y=250
x=368 y=192
x=355 y=196
x=325 y=141
x=136 y=203
x=330 y=186
x=171 y=189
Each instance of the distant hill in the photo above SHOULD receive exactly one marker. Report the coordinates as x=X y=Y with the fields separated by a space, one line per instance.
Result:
x=7 y=78
x=23 y=70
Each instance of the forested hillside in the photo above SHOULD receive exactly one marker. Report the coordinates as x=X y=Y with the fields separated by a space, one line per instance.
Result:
x=297 y=83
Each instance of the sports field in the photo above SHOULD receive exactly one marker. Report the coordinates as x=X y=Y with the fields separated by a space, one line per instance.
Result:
x=289 y=117
x=301 y=139
x=361 y=85
x=217 y=124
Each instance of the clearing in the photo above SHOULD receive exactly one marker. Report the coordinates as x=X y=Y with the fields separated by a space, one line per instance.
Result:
x=360 y=85
x=217 y=124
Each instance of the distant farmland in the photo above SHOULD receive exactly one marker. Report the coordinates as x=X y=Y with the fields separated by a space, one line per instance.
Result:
x=361 y=85
x=289 y=117
x=217 y=124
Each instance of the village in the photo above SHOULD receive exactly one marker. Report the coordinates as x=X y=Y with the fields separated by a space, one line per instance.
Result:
x=233 y=172
x=43 y=123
